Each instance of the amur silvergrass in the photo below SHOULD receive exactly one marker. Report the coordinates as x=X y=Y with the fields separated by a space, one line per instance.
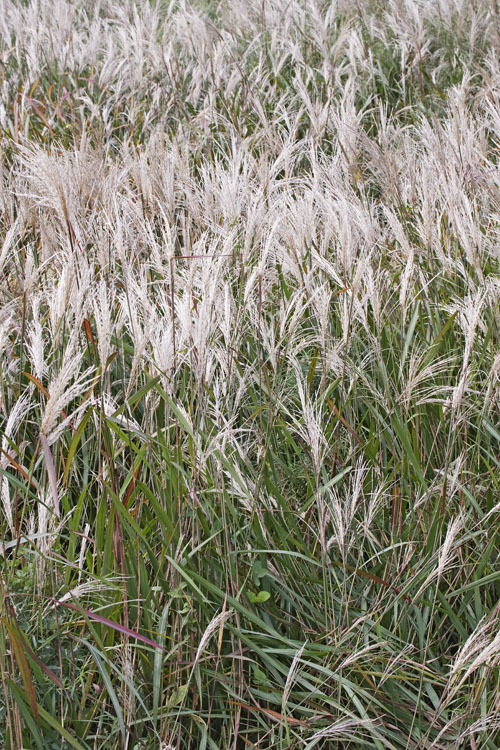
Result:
x=249 y=374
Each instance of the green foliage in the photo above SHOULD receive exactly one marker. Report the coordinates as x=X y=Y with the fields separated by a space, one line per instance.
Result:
x=249 y=369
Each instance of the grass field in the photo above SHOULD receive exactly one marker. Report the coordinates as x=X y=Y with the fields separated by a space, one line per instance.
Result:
x=249 y=374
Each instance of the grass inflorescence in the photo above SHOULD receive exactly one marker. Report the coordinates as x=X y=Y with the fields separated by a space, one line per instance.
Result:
x=249 y=372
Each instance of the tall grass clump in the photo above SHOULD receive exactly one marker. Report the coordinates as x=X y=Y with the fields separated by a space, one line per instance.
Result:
x=249 y=374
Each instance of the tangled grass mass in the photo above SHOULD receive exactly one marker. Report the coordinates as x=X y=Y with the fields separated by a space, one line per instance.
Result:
x=249 y=374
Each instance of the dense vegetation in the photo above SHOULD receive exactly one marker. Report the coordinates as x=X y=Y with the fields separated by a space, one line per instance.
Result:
x=249 y=371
